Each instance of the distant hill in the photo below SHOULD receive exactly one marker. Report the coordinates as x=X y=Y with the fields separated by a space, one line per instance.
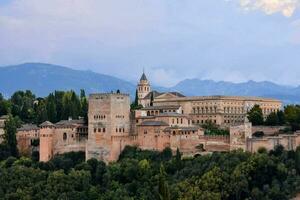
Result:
x=251 y=88
x=45 y=78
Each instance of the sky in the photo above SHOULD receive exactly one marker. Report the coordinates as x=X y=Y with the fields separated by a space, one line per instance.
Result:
x=222 y=40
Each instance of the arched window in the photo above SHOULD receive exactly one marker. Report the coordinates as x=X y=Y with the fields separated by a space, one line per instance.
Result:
x=65 y=136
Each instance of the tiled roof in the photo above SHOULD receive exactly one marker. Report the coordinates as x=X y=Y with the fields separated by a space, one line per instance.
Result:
x=219 y=97
x=28 y=127
x=170 y=114
x=68 y=123
x=167 y=107
x=155 y=94
x=177 y=94
x=4 y=117
x=153 y=123
x=143 y=78
x=64 y=123
x=191 y=128
x=46 y=123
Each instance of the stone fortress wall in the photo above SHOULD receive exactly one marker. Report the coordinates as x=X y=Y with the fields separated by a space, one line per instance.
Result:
x=26 y=136
x=166 y=120
x=288 y=141
x=62 y=137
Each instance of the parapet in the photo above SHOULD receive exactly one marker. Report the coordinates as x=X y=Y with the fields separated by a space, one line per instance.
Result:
x=99 y=95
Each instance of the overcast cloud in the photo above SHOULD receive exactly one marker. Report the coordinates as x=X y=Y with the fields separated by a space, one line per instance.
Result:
x=231 y=40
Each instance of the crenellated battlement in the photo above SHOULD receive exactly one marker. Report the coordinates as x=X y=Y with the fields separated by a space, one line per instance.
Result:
x=107 y=94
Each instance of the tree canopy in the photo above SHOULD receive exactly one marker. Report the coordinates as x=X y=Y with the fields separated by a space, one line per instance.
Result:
x=151 y=175
x=56 y=106
x=255 y=115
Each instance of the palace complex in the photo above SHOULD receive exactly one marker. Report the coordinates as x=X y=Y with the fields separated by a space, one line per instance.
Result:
x=167 y=119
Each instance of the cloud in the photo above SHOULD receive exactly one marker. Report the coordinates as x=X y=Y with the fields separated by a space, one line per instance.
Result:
x=165 y=77
x=285 y=7
x=46 y=30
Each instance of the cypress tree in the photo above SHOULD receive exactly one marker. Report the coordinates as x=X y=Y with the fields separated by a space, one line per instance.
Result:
x=163 y=188
x=84 y=106
x=136 y=100
x=41 y=112
x=152 y=99
x=51 y=108
x=59 y=104
x=178 y=159
x=10 y=139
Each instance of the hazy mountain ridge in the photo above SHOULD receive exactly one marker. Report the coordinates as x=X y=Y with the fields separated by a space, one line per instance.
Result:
x=45 y=78
x=287 y=94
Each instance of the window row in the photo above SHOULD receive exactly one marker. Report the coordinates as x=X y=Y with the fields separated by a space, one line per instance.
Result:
x=234 y=116
x=185 y=132
x=99 y=130
x=178 y=121
x=235 y=110
x=197 y=110
x=120 y=130
x=203 y=121
x=65 y=136
x=144 y=89
x=99 y=116
x=269 y=110
x=233 y=121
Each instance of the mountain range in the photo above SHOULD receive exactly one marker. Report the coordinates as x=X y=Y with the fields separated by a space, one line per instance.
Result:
x=45 y=78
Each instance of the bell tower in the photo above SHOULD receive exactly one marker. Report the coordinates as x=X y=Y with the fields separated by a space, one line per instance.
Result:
x=143 y=88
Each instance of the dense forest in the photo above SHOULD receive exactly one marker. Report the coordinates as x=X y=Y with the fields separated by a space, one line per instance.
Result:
x=154 y=175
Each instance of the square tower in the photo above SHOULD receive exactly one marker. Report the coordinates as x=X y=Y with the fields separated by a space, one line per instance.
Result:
x=109 y=116
x=46 y=141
